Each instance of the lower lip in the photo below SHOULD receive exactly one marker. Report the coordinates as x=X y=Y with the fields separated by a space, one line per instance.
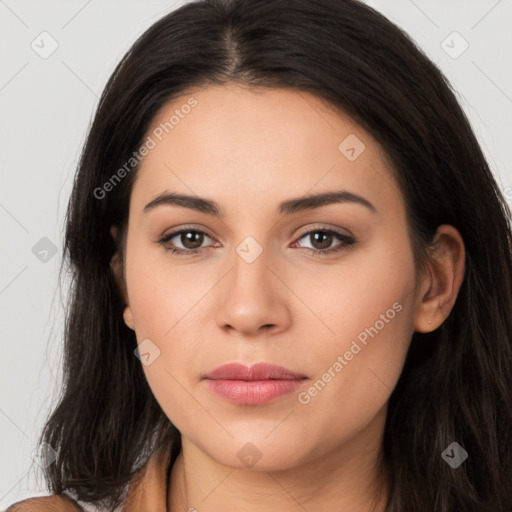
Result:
x=253 y=392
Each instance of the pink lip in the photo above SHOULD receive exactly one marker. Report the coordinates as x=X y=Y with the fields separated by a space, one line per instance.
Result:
x=255 y=385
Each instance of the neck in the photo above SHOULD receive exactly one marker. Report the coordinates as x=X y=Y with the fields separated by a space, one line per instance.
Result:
x=346 y=478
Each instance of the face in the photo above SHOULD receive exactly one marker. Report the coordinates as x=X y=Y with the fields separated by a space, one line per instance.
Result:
x=324 y=288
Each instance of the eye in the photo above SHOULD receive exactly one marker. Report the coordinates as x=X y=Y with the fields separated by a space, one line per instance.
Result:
x=322 y=240
x=190 y=239
x=193 y=239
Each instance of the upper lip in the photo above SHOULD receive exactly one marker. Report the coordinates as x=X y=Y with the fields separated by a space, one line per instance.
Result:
x=258 y=371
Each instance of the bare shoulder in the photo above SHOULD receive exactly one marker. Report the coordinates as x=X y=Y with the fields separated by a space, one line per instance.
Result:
x=53 y=503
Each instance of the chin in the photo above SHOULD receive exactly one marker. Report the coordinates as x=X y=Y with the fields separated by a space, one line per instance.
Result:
x=259 y=454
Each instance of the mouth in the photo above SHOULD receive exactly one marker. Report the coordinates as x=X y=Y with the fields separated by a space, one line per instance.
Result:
x=258 y=384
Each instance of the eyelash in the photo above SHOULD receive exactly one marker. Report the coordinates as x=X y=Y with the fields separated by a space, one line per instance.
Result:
x=348 y=242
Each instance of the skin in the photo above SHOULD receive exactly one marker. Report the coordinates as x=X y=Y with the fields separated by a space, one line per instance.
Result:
x=248 y=150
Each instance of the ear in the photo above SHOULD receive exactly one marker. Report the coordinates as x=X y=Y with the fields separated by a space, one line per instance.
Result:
x=439 y=289
x=116 y=266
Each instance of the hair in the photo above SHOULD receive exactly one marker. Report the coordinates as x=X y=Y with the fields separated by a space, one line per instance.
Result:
x=456 y=384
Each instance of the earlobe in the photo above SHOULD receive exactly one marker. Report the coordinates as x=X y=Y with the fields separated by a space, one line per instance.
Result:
x=128 y=317
x=440 y=288
x=116 y=266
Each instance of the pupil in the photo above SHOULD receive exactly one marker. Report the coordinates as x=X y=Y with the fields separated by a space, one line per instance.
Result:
x=189 y=237
x=328 y=238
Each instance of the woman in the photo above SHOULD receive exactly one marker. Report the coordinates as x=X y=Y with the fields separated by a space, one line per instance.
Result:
x=292 y=277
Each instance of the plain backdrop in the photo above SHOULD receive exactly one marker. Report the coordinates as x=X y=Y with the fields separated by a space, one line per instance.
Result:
x=56 y=57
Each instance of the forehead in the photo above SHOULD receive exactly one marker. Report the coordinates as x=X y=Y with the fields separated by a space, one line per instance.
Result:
x=239 y=144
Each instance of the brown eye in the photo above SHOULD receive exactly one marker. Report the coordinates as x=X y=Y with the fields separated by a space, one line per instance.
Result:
x=190 y=240
x=321 y=241
x=322 y=238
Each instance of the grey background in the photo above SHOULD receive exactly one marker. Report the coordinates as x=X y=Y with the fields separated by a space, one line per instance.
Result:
x=47 y=105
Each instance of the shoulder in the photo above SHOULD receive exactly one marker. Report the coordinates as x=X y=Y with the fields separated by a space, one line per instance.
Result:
x=53 y=503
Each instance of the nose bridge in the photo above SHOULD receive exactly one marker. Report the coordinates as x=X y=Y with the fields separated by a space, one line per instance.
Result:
x=251 y=296
x=250 y=274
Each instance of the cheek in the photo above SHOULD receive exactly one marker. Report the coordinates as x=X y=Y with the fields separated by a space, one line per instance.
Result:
x=368 y=308
x=360 y=291
x=165 y=299
x=161 y=291
x=162 y=301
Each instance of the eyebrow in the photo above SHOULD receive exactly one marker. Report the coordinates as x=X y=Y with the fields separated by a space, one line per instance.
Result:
x=288 y=207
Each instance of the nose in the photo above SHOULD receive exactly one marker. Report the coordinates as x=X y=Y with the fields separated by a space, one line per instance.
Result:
x=253 y=299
